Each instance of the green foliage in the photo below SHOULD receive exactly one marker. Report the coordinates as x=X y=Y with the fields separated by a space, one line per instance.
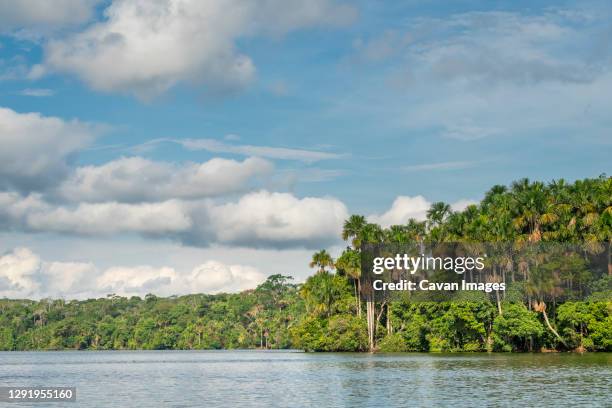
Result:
x=587 y=325
x=393 y=343
x=254 y=318
x=516 y=329
x=341 y=332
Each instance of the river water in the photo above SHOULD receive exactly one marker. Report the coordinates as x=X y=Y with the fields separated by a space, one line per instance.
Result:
x=293 y=378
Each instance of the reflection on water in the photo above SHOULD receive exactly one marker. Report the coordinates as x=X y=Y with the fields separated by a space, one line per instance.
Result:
x=285 y=378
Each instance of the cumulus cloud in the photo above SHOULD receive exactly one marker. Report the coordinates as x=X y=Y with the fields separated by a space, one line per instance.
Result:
x=402 y=209
x=36 y=150
x=108 y=218
x=145 y=48
x=278 y=219
x=67 y=279
x=36 y=15
x=136 y=179
x=258 y=219
x=214 y=276
x=210 y=277
x=405 y=207
x=18 y=270
x=461 y=205
x=133 y=281
x=23 y=274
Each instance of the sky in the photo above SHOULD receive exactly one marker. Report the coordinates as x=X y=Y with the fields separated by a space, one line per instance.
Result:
x=182 y=146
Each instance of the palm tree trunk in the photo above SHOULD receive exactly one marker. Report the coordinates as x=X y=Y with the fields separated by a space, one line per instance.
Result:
x=356 y=296
x=359 y=298
x=389 y=327
x=371 y=322
x=499 y=307
x=550 y=326
x=609 y=258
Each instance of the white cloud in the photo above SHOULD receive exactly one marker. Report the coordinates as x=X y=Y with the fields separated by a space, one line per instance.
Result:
x=145 y=48
x=462 y=204
x=214 y=276
x=108 y=218
x=402 y=209
x=133 y=281
x=210 y=277
x=67 y=279
x=405 y=207
x=259 y=219
x=278 y=219
x=18 y=271
x=35 y=15
x=15 y=209
x=36 y=149
x=137 y=179
x=24 y=275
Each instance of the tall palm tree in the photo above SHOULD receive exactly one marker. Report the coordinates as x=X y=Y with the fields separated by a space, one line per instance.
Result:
x=416 y=230
x=352 y=229
x=397 y=234
x=532 y=209
x=372 y=234
x=321 y=260
x=437 y=213
x=350 y=263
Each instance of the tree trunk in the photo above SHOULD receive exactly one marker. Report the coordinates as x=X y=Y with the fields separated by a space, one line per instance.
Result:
x=499 y=307
x=609 y=258
x=542 y=308
x=371 y=322
x=359 y=298
x=356 y=296
x=389 y=327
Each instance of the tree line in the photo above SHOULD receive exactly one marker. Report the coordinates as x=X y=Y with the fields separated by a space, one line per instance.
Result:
x=326 y=312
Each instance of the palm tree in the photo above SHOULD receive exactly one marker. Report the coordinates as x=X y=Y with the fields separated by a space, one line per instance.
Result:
x=396 y=234
x=352 y=229
x=372 y=234
x=320 y=292
x=532 y=209
x=321 y=260
x=350 y=263
x=544 y=282
x=437 y=213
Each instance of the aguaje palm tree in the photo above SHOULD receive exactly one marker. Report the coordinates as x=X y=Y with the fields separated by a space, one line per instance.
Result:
x=352 y=230
x=532 y=209
x=436 y=216
x=397 y=234
x=416 y=230
x=437 y=213
x=350 y=263
x=321 y=260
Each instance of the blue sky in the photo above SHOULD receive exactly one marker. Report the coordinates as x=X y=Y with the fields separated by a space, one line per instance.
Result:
x=314 y=108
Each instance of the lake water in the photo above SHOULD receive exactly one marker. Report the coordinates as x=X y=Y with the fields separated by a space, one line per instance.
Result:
x=286 y=378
